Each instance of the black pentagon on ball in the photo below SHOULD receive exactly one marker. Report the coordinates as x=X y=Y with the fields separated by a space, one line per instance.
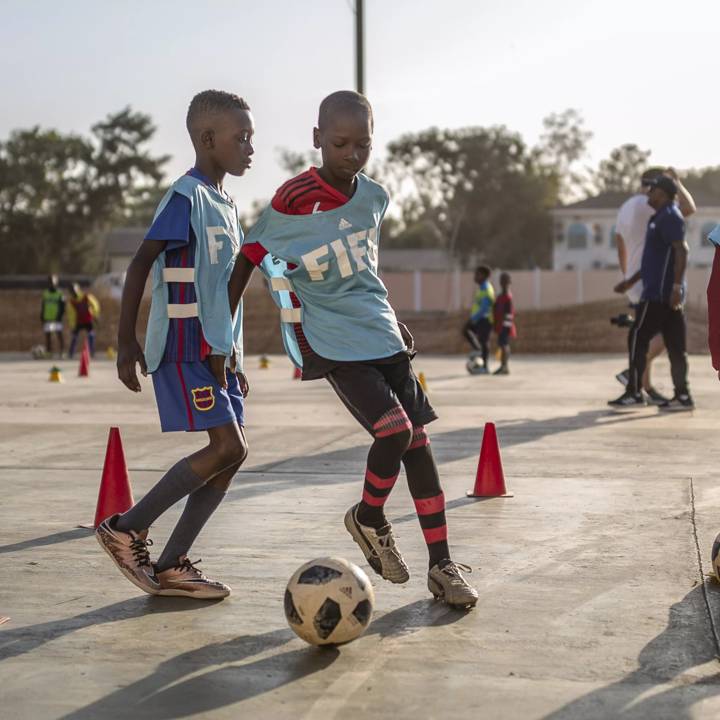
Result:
x=327 y=618
x=291 y=612
x=363 y=611
x=318 y=575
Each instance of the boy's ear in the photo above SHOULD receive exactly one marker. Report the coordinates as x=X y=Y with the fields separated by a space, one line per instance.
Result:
x=316 y=138
x=207 y=139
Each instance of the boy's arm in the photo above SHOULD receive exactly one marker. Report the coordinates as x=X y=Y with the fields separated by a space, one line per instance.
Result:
x=239 y=280
x=129 y=350
x=622 y=252
x=686 y=203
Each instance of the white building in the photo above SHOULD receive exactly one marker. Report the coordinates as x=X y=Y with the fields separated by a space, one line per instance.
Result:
x=584 y=232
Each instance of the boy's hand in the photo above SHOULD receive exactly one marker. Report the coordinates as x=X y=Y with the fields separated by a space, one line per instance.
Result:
x=244 y=384
x=128 y=355
x=407 y=337
x=217 y=368
x=621 y=287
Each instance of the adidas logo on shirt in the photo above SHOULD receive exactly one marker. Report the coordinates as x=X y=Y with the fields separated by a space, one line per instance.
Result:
x=344 y=224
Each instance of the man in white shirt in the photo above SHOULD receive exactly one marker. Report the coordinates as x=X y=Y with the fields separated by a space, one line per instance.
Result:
x=630 y=232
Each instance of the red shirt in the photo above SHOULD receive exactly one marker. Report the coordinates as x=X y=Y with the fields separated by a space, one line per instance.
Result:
x=713 y=301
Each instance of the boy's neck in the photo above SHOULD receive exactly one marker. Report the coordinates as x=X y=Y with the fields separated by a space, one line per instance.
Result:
x=210 y=170
x=346 y=187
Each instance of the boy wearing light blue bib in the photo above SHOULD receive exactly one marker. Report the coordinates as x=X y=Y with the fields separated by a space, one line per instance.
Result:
x=191 y=248
x=317 y=244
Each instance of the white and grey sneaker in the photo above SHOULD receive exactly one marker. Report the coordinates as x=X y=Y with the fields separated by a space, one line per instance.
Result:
x=678 y=403
x=129 y=551
x=379 y=549
x=628 y=399
x=448 y=584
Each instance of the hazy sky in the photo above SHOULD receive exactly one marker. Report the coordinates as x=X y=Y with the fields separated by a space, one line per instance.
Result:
x=639 y=72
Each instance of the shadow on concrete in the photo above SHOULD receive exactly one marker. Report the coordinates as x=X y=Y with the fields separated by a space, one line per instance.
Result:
x=18 y=641
x=450 y=446
x=53 y=539
x=686 y=642
x=175 y=689
x=209 y=678
x=415 y=616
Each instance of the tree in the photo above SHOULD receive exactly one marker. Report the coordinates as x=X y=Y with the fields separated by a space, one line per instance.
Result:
x=622 y=170
x=479 y=189
x=561 y=147
x=59 y=193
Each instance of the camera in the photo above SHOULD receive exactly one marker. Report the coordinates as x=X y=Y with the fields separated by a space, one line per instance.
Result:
x=622 y=320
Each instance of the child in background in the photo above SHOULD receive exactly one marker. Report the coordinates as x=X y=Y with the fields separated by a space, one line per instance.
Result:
x=478 y=328
x=504 y=313
x=83 y=311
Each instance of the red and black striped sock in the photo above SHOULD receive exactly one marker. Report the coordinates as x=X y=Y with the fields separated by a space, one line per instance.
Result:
x=424 y=484
x=392 y=432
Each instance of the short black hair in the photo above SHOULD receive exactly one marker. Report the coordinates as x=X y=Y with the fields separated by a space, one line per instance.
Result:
x=484 y=269
x=211 y=102
x=505 y=278
x=340 y=101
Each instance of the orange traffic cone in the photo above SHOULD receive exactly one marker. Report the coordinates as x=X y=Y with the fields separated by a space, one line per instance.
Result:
x=84 y=369
x=490 y=480
x=115 y=495
x=297 y=373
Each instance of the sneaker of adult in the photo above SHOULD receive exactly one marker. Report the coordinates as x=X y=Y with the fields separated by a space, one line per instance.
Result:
x=379 y=549
x=628 y=399
x=502 y=370
x=129 y=551
x=186 y=580
x=654 y=397
x=447 y=583
x=678 y=403
x=623 y=376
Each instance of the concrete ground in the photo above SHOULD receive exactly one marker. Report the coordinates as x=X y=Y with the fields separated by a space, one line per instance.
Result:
x=594 y=601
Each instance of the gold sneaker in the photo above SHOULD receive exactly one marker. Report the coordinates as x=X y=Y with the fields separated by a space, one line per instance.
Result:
x=186 y=580
x=448 y=584
x=129 y=551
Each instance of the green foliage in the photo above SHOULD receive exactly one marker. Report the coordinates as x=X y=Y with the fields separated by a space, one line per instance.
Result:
x=59 y=193
x=622 y=170
x=479 y=192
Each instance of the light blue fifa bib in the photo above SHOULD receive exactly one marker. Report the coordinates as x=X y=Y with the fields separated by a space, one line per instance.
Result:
x=214 y=220
x=345 y=313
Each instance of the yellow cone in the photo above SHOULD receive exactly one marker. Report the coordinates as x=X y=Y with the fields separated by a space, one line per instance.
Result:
x=264 y=362
x=55 y=375
x=111 y=353
x=422 y=381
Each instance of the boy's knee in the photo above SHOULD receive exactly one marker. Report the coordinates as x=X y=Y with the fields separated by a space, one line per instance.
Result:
x=398 y=442
x=232 y=451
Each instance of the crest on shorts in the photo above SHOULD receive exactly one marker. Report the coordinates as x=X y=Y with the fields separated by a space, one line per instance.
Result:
x=203 y=398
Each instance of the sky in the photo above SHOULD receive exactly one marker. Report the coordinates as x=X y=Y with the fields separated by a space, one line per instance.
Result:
x=638 y=72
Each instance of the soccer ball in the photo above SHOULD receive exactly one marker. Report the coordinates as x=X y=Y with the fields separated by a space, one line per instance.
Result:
x=329 y=601
x=715 y=558
x=38 y=352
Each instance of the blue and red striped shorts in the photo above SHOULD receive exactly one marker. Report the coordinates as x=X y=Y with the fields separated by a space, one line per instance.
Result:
x=189 y=397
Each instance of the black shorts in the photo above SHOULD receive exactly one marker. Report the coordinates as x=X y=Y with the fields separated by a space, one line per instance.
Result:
x=504 y=337
x=88 y=327
x=482 y=328
x=369 y=391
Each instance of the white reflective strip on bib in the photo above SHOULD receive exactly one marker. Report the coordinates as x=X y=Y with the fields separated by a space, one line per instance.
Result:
x=186 y=310
x=291 y=315
x=280 y=283
x=176 y=274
